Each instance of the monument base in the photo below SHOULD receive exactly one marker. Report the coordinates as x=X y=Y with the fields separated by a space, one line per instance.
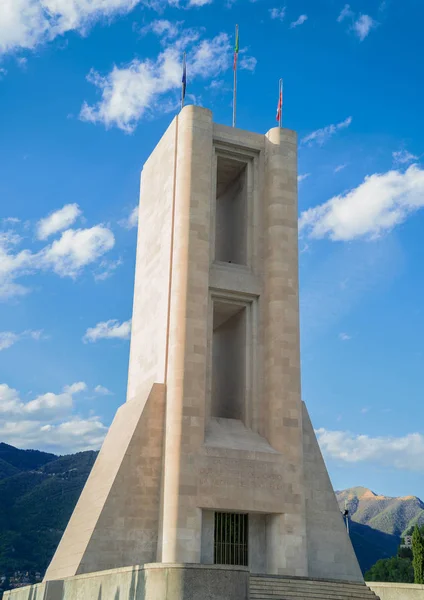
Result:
x=154 y=581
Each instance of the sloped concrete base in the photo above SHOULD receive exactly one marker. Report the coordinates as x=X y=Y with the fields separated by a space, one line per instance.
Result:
x=330 y=551
x=155 y=581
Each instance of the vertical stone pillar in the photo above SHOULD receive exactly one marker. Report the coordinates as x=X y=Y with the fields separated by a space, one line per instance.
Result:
x=282 y=400
x=187 y=337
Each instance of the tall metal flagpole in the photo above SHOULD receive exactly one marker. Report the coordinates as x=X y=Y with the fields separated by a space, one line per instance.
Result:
x=281 y=103
x=183 y=81
x=236 y=49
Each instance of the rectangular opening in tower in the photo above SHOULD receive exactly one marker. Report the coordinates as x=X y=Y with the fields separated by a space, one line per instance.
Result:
x=231 y=211
x=231 y=539
x=229 y=361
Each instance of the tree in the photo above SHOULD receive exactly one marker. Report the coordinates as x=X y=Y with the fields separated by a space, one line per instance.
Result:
x=395 y=569
x=418 y=555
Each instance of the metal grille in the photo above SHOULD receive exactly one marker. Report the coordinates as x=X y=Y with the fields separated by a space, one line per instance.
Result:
x=231 y=539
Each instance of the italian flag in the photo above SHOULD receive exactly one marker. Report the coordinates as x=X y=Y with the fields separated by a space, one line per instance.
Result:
x=236 y=49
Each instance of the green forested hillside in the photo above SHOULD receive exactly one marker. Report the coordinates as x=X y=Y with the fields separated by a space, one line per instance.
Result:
x=38 y=492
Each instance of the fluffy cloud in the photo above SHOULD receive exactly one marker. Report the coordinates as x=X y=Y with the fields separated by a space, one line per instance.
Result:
x=363 y=25
x=107 y=268
x=111 y=329
x=403 y=157
x=345 y=13
x=46 y=421
x=9 y=338
x=73 y=435
x=57 y=221
x=344 y=337
x=132 y=220
x=396 y=452
x=66 y=256
x=102 y=391
x=299 y=21
x=302 y=177
x=320 y=136
x=248 y=63
x=75 y=388
x=380 y=203
x=27 y=23
x=128 y=92
x=75 y=249
x=43 y=407
x=277 y=13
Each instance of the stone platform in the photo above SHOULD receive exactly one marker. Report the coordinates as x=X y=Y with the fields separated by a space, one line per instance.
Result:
x=159 y=581
x=155 y=581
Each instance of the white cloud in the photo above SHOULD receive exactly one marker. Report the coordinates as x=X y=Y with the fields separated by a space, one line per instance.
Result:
x=403 y=157
x=302 y=177
x=277 y=13
x=248 y=63
x=299 y=21
x=344 y=337
x=162 y=28
x=10 y=220
x=73 y=435
x=58 y=221
x=404 y=453
x=340 y=168
x=102 y=391
x=111 y=329
x=345 y=13
x=75 y=388
x=363 y=25
x=66 y=256
x=75 y=249
x=129 y=92
x=3 y=73
x=320 y=136
x=199 y=2
x=46 y=422
x=27 y=23
x=108 y=267
x=377 y=205
x=132 y=220
x=45 y=406
x=9 y=338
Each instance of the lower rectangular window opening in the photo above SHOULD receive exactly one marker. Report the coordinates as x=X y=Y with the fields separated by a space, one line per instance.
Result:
x=231 y=539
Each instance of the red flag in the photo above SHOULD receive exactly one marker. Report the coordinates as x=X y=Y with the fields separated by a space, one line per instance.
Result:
x=280 y=103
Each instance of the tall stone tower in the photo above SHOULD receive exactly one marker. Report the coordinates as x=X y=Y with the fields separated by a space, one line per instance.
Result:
x=213 y=459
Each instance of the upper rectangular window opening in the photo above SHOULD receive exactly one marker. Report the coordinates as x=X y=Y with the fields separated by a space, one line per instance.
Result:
x=231 y=220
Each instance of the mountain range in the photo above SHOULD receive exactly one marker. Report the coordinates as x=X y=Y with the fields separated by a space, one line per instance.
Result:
x=378 y=522
x=38 y=492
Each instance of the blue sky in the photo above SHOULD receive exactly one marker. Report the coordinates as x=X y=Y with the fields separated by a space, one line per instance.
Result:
x=87 y=89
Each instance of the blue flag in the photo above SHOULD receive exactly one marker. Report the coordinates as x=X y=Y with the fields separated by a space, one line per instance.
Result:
x=183 y=81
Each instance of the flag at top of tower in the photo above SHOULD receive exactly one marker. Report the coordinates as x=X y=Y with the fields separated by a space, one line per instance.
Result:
x=280 y=102
x=236 y=48
x=183 y=81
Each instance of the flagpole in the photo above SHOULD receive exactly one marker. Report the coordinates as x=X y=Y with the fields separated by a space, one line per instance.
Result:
x=280 y=96
x=183 y=81
x=235 y=78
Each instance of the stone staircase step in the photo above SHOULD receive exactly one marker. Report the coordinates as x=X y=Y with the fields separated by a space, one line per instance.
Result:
x=288 y=588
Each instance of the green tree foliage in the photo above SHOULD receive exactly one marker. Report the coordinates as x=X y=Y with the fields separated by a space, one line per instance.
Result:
x=404 y=552
x=395 y=569
x=418 y=555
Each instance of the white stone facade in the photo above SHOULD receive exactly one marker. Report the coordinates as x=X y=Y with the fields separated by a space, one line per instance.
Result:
x=214 y=419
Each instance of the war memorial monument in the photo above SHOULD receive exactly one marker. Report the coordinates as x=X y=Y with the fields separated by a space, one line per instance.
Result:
x=210 y=484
